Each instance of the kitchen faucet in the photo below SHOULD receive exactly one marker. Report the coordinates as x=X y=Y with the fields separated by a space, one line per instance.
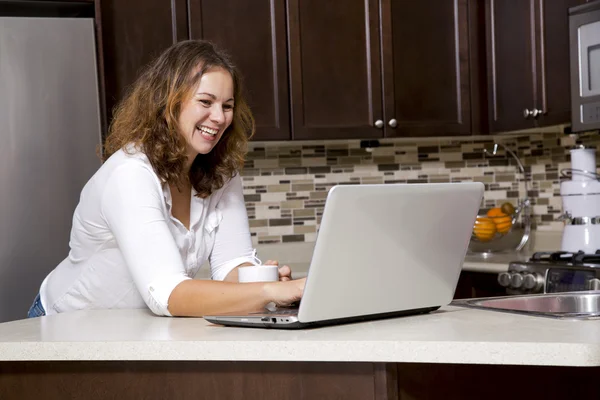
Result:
x=524 y=205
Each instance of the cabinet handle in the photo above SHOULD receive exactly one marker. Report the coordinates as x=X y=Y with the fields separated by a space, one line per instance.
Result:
x=379 y=124
x=534 y=112
x=393 y=123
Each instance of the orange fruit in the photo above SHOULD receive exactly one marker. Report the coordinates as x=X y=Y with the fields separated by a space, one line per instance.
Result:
x=502 y=221
x=503 y=224
x=484 y=229
x=495 y=212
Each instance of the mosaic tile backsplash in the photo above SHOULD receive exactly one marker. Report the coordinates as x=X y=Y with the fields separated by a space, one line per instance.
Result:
x=286 y=183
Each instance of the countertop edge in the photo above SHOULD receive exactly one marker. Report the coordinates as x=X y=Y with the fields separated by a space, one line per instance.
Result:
x=491 y=353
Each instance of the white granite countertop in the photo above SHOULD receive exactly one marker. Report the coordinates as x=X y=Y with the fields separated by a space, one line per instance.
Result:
x=494 y=263
x=449 y=335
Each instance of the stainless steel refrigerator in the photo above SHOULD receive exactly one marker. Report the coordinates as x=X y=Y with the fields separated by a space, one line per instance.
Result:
x=49 y=134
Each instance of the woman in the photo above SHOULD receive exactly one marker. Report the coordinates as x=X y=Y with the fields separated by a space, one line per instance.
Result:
x=167 y=198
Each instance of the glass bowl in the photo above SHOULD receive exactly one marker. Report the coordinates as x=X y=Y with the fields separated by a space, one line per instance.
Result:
x=495 y=232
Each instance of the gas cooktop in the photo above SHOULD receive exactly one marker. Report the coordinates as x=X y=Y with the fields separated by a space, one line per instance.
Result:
x=552 y=272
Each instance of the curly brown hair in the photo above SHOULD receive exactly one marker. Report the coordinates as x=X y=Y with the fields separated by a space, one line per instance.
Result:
x=147 y=117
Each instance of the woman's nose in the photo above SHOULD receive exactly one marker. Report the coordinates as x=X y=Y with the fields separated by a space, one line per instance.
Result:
x=216 y=114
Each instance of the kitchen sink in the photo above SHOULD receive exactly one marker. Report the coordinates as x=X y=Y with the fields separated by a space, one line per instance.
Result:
x=568 y=305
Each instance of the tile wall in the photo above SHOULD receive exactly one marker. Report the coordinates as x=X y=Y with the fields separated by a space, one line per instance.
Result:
x=286 y=183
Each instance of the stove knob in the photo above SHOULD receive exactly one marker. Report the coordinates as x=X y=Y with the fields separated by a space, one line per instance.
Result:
x=504 y=279
x=516 y=281
x=530 y=281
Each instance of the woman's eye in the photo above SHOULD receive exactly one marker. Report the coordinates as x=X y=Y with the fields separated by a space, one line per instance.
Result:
x=227 y=107
x=205 y=102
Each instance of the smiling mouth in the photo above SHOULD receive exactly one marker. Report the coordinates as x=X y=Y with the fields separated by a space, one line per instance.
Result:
x=208 y=131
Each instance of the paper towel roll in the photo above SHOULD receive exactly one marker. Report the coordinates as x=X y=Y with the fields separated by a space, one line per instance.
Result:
x=258 y=273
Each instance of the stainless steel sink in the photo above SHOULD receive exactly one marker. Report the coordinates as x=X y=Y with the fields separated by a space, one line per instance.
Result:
x=569 y=305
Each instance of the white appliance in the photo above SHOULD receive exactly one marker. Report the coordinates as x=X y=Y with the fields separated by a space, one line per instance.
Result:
x=581 y=203
x=584 y=39
x=49 y=133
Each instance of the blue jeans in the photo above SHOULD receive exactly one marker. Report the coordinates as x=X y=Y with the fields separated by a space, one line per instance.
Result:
x=36 y=310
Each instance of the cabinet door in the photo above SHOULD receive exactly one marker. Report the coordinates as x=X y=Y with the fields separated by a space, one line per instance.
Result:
x=554 y=94
x=133 y=33
x=426 y=67
x=334 y=69
x=511 y=62
x=253 y=33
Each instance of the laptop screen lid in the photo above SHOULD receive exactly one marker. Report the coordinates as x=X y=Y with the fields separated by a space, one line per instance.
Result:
x=388 y=248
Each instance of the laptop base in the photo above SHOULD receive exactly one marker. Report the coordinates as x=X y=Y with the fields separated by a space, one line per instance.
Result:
x=276 y=321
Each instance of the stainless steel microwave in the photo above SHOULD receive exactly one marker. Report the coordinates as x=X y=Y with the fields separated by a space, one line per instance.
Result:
x=584 y=42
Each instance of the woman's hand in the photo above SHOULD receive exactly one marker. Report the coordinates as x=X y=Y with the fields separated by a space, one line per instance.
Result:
x=285 y=272
x=286 y=292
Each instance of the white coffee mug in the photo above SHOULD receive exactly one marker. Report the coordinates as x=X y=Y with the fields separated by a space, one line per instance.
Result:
x=258 y=273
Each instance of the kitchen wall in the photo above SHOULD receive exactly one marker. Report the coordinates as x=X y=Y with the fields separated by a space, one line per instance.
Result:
x=286 y=183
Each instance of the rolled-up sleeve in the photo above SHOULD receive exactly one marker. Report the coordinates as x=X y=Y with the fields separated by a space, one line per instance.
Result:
x=233 y=245
x=133 y=208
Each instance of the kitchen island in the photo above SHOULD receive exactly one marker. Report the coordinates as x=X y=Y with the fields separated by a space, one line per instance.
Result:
x=462 y=353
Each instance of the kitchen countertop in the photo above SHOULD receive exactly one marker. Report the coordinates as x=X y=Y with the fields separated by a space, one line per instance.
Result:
x=494 y=263
x=449 y=335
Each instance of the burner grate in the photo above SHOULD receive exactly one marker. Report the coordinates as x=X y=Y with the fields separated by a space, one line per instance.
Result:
x=566 y=257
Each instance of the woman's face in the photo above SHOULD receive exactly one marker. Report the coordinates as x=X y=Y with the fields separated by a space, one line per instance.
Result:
x=207 y=113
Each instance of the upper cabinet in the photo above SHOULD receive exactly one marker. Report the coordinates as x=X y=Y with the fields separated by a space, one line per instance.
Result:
x=426 y=67
x=316 y=69
x=553 y=62
x=131 y=34
x=335 y=69
x=253 y=32
x=379 y=68
x=528 y=63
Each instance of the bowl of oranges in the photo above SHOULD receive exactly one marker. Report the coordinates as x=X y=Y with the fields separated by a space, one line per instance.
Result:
x=500 y=228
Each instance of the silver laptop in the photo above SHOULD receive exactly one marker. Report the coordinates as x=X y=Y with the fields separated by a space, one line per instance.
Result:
x=381 y=251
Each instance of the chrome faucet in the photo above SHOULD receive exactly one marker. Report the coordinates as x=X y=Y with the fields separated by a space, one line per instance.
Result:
x=524 y=205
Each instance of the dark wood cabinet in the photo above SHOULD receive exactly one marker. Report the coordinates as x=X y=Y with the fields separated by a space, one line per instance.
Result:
x=131 y=34
x=335 y=69
x=426 y=65
x=478 y=284
x=253 y=32
x=318 y=69
x=380 y=68
x=528 y=63
x=553 y=61
x=298 y=380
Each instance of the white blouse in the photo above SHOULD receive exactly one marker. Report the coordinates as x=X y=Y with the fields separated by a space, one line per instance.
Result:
x=128 y=251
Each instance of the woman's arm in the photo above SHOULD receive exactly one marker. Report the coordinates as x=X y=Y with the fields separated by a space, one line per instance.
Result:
x=233 y=246
x=196 y=298
x=132 y=207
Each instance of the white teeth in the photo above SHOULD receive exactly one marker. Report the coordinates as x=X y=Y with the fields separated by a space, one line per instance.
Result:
x=207 y=130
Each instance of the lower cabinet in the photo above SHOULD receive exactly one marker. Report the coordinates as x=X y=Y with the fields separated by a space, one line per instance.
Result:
x=478 y=284
x=291 y=380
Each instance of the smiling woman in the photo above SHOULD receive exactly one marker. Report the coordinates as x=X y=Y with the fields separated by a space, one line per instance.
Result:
x=181 y=91
x=167 y=198
x=208 y=113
